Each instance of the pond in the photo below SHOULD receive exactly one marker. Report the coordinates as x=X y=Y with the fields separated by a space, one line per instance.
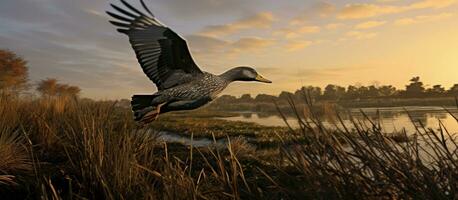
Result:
x=392 y=119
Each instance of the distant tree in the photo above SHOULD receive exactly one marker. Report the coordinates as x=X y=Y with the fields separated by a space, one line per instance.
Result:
x=265 y=98
x=311 y=92
x=352 y=92
x=333 y=92
x=436 y=90
x=13 y=72
x=415 y=88
x=387 y=91
x=246 y=98
x=50 y=87
x=372 y=91
x=226 y=99
x=285 y=96
x=453 y=90
x=363 y=92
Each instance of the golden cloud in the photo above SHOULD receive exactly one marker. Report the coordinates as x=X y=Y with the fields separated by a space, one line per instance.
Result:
x=324 y=9
x=252 y=43
x=360 y=35
x=422 y=19
x=296 y=32
x=259 y=21
x=359 y=11
x=369 y=24
x=203 y=46
x=334 y=26
x=432 y=4
x=320 y=9
x=297 y=45
x=200 y=44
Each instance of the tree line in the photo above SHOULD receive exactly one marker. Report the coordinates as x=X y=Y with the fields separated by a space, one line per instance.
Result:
x=14 y=79
x=415 y=89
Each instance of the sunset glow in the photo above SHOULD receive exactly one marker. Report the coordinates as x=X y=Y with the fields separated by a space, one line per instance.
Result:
x=293 y=43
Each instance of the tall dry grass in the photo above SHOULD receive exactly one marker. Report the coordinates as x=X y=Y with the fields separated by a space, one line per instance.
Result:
x=73 y=149
x=370 y=164
x=67 y=148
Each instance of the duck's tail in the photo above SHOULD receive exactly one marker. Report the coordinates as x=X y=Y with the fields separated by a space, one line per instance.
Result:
x=144 y=111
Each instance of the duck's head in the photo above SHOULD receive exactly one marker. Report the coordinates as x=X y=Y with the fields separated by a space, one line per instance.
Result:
x=244 y=74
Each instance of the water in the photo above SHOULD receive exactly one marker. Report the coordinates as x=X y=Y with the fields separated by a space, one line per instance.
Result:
x=196 y=142
x=392 y=119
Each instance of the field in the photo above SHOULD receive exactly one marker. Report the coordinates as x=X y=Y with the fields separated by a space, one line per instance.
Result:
x=60 y=148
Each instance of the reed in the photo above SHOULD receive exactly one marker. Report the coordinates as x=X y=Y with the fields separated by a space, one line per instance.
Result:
x=342 y=165
x=73 y=149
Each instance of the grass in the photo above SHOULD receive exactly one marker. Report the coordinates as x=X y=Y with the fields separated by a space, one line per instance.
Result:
x=207 y=124
x=69 y=149
x=206 y=127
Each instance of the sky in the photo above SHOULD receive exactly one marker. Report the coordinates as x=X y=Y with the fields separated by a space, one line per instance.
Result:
x=291 y=42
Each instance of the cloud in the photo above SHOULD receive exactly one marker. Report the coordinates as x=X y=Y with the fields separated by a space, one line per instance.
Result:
x=261 y=20
x=422 y=19
x=308 y=29
x=214 y=54
x=200 y=44
x=252 y=43
x=385 y=1
x=296 y=32
x=209 y=47
x=324 y=9
x=358 y=11
x=360 y=35
x=432 y=4
x=361 y=10
x=369 y=24
x=297 y=45
x=334 y=26
x=202 y=9
x=320 y=9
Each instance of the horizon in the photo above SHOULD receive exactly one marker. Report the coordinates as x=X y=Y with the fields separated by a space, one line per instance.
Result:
x=292 y=43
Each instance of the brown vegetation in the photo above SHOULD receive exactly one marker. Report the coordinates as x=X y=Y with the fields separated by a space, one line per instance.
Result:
x=50 y=87
x=93 y=150
x=13 y=72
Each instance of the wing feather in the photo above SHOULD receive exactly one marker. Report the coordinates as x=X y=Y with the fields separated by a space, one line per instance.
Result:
x=163 y=55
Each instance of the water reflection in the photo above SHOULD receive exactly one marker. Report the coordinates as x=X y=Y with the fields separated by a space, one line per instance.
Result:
x=392 y=119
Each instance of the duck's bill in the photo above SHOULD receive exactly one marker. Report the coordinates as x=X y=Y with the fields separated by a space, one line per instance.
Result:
x=262 y=79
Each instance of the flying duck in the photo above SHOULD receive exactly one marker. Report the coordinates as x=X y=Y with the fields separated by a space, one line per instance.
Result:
x=165 y=58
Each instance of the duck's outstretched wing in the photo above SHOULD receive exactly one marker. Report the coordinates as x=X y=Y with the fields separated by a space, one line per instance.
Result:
x=163 y=55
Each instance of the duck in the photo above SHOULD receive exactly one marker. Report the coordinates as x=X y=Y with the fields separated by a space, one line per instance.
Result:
x=165 y=58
